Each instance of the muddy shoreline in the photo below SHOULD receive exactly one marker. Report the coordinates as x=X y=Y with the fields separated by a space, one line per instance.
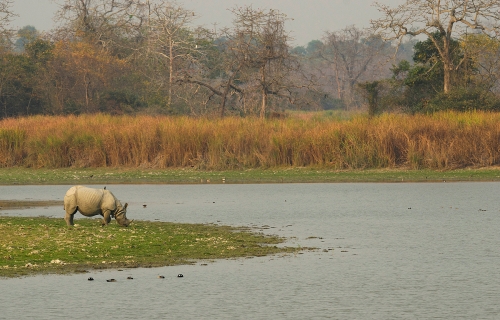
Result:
x=26 y=204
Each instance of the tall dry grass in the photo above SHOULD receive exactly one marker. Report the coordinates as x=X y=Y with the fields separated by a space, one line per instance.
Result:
x=440 y=141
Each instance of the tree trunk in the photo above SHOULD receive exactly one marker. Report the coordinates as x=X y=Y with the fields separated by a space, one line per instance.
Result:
x=337 y=78
x=87 y=98
x=170 y=71
x=447 y=65
x=264 y=103
x=264 y=92
x=350 y=96
x=223 y=103
x=224 y=97
x=447 y=78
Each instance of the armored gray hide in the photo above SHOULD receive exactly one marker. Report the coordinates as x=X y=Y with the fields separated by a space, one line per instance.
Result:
x=91 y=202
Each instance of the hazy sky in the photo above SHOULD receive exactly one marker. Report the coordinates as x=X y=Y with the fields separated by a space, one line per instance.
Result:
x=311 y=18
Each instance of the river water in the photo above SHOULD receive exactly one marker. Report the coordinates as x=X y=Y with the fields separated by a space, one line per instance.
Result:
x=385 y=251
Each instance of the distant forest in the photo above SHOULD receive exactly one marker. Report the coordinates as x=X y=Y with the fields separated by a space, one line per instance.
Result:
x=147 y=57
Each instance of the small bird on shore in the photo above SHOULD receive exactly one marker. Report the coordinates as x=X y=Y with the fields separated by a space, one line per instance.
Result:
x=111 y=280
x=161 y=277
x=90 y=279
x=144 y=205
x=130 y=278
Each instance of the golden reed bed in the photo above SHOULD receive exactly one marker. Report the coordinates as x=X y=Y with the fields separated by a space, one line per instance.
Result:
x=440 y=141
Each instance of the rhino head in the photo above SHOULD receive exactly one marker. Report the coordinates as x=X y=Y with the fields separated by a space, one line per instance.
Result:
x=121 y=216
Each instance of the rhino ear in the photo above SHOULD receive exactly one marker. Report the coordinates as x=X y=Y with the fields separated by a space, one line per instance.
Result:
x=125 y=206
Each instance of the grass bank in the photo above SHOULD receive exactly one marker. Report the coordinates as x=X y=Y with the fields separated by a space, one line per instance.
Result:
x=107 y=176
x=46 y=245
x=441 y=141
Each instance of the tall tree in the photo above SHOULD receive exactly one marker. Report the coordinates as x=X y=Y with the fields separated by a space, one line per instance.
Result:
x=81 y=74
x=355 y=55
x=216 y=69
x=448 y=18
x=25 y=35
x=169 y=39
x=99 y=21
x=484 y=55
x=6 y=16
x=260 y=42
x=254 y=59
x=11 y=73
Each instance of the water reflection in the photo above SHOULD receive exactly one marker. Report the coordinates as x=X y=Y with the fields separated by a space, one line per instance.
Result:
x=399 y=251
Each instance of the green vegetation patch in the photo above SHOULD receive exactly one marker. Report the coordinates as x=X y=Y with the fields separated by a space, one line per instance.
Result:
x=106 y=176
x=46 y=245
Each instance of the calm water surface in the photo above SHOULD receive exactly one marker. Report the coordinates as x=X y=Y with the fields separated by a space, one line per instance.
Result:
x=386 y=251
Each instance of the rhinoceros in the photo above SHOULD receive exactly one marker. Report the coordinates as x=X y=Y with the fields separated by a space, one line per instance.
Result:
x=91 y=202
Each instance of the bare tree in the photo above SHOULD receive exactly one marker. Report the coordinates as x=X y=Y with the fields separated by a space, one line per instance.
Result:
x=215 y=70
x=169 y=37
x=253 y=57
x=104 y=22
x=440 y=21
x=354 y=55
x=6 y=16
x=259 y=42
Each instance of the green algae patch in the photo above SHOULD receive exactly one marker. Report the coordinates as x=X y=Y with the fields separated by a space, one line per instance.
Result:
x=41 y=245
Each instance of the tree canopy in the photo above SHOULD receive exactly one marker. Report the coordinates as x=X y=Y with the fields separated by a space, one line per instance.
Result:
x=150 y=57
x=440 y=21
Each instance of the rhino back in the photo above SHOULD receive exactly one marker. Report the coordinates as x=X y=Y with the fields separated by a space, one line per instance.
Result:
x=89 y=200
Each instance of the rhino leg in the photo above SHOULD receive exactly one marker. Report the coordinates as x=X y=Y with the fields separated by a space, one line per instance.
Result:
x=70 y=213
x=106 y=217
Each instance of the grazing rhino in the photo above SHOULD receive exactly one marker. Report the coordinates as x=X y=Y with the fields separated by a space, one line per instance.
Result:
x=91 y=202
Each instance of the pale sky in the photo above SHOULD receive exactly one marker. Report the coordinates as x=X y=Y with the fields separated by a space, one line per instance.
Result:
x=311 y=18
